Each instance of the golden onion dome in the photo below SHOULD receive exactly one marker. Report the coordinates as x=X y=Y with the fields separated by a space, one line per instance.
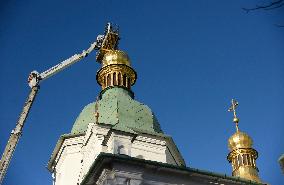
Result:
x=239 y=140
x=115 y=57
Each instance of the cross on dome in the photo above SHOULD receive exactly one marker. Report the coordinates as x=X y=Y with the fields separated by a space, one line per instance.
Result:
x=233 y=109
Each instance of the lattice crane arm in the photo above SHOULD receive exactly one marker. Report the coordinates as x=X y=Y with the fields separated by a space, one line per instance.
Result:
x=105 y=42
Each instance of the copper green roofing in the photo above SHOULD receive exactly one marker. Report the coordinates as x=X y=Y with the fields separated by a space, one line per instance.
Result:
x=117 y=108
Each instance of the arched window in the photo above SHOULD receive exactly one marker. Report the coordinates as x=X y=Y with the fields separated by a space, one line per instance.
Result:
x=114 y=79
x=121 y=150
x=119 y=79
x=108 y=80
x=128 y=82
x=105 y=81
x=124 y=80
x=249 y=160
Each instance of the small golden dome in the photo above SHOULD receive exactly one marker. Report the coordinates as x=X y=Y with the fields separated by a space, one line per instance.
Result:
x=239 y=140
x=116 y=57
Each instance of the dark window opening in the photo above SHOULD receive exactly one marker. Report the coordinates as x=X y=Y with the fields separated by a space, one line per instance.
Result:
x=128 y=82
x=119 y=79
x=108 y=80
x=114 y=79
x=124 y=80
x=121 y=150
x=105 y=81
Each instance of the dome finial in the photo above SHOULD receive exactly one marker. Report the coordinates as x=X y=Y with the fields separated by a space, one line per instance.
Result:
x=233 y=109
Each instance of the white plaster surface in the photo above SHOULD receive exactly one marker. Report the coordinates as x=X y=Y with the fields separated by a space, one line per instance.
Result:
x=77 y=154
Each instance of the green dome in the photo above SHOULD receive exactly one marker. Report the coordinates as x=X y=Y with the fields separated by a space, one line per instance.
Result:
x=117 y=108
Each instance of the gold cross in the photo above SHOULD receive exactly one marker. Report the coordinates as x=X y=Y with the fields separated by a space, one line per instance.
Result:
x=233 y=109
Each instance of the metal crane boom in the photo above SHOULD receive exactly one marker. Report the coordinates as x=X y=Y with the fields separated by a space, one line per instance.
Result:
x=108 y=41
x=75 y=58
x=16 y=134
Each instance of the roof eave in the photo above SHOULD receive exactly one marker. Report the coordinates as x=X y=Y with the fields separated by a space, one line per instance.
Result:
x=104 y=159
x=57 y=148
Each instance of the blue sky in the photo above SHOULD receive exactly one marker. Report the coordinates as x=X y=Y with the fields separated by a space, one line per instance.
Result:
x=191 y=57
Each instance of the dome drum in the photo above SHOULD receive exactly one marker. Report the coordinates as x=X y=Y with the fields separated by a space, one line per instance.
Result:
x=242 y=157
x=116 y=75
x=116 y=70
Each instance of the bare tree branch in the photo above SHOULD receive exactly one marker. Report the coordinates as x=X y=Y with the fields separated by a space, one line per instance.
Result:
x=278 y=6
x=272 y=5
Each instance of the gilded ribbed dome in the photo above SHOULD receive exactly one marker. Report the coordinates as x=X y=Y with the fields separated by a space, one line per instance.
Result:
x=239 y=140
x=116 y=57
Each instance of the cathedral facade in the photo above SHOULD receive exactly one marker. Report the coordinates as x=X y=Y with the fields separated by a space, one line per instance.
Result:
x=118 y=140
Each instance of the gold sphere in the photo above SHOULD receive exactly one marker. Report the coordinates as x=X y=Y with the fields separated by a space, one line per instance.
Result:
x=236 y=120
x=239 y=140
x=116 y=57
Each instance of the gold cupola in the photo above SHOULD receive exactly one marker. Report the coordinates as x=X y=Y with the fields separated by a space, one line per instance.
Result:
x=242 y=156
x=116 y=70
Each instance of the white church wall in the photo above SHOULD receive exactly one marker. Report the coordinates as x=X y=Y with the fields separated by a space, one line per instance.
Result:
x=77 y=154
x=69 y=170
x=149 y=149
x=92 y=146
x=68 y=161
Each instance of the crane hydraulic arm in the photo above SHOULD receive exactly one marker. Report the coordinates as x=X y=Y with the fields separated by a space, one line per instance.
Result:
x=108 y=41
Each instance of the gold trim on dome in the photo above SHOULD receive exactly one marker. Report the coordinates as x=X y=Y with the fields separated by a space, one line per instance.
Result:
x=118 y=69
x=242 y=151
